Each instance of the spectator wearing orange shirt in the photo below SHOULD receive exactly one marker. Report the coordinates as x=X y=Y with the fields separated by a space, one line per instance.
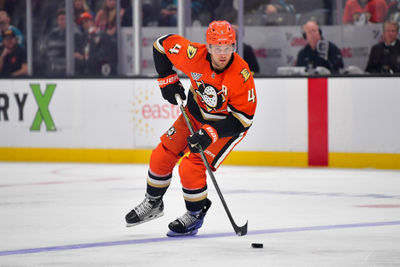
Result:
x=364 y=11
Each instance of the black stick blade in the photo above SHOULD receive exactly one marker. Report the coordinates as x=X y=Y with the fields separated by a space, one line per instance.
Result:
x=240 y=230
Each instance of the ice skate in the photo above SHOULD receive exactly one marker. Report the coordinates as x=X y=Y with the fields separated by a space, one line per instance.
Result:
x=149 y=209
x=189 y=223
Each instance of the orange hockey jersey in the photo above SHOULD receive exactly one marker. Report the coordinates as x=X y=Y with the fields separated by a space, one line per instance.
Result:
x=227 y=99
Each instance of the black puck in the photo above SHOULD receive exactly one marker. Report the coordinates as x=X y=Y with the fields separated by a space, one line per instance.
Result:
x=257 y=245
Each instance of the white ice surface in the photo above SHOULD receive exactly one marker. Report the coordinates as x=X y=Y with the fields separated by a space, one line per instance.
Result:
x=73 y=215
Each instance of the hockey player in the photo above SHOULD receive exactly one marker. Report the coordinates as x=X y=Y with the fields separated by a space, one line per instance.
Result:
x=221 y=105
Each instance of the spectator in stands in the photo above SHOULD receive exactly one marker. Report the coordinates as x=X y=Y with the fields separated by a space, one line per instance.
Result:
x=248 y=54
x=12 y=57
x=288 y=12
x=80 y=6
x=385 y=56
x=106 y=17
x=279 y=12
x=5 y=25
x=168 y=13
x=364 y=11
x=54 y=46
x=318 y=52
x=280 y=6
x=97 y=54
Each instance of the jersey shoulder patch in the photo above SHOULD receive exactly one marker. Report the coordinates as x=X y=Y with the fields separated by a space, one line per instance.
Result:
x=191 y=50
x=241 y=70
x=245 y=74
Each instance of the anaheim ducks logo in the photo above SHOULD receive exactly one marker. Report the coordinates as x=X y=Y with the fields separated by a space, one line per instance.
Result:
x=210 y=96
x=191 y=51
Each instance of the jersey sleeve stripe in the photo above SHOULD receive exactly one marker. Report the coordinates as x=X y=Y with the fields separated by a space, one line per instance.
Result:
x=158 y=45
x=211 y=117
x=243 y=120
x=233 y=109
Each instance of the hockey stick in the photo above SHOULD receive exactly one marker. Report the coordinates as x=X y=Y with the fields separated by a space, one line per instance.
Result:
x=239 y=230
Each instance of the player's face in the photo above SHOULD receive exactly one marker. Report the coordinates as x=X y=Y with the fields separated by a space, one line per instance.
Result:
x=389 y=33
x=221 y=55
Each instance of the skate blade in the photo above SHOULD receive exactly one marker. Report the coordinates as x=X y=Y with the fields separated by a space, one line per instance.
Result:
x=146 y=220
x=175 y=234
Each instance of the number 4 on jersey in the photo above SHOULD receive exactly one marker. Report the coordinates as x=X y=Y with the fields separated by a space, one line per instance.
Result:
x=252 y=96
x=175 y=49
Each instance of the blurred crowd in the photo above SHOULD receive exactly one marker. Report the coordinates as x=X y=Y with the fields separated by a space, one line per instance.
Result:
x=95 y=40
x=95 y=21
x=95 y=43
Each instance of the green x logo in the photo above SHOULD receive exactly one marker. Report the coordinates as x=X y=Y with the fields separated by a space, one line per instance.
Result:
x=43 y=101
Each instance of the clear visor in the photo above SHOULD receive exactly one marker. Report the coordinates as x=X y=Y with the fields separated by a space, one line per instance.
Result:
x=222 y=49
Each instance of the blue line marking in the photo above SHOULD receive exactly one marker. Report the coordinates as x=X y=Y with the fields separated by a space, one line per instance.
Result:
x=203 y=236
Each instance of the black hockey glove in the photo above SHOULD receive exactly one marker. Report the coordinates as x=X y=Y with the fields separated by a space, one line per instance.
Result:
x=170 y=85
x=203 y=137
